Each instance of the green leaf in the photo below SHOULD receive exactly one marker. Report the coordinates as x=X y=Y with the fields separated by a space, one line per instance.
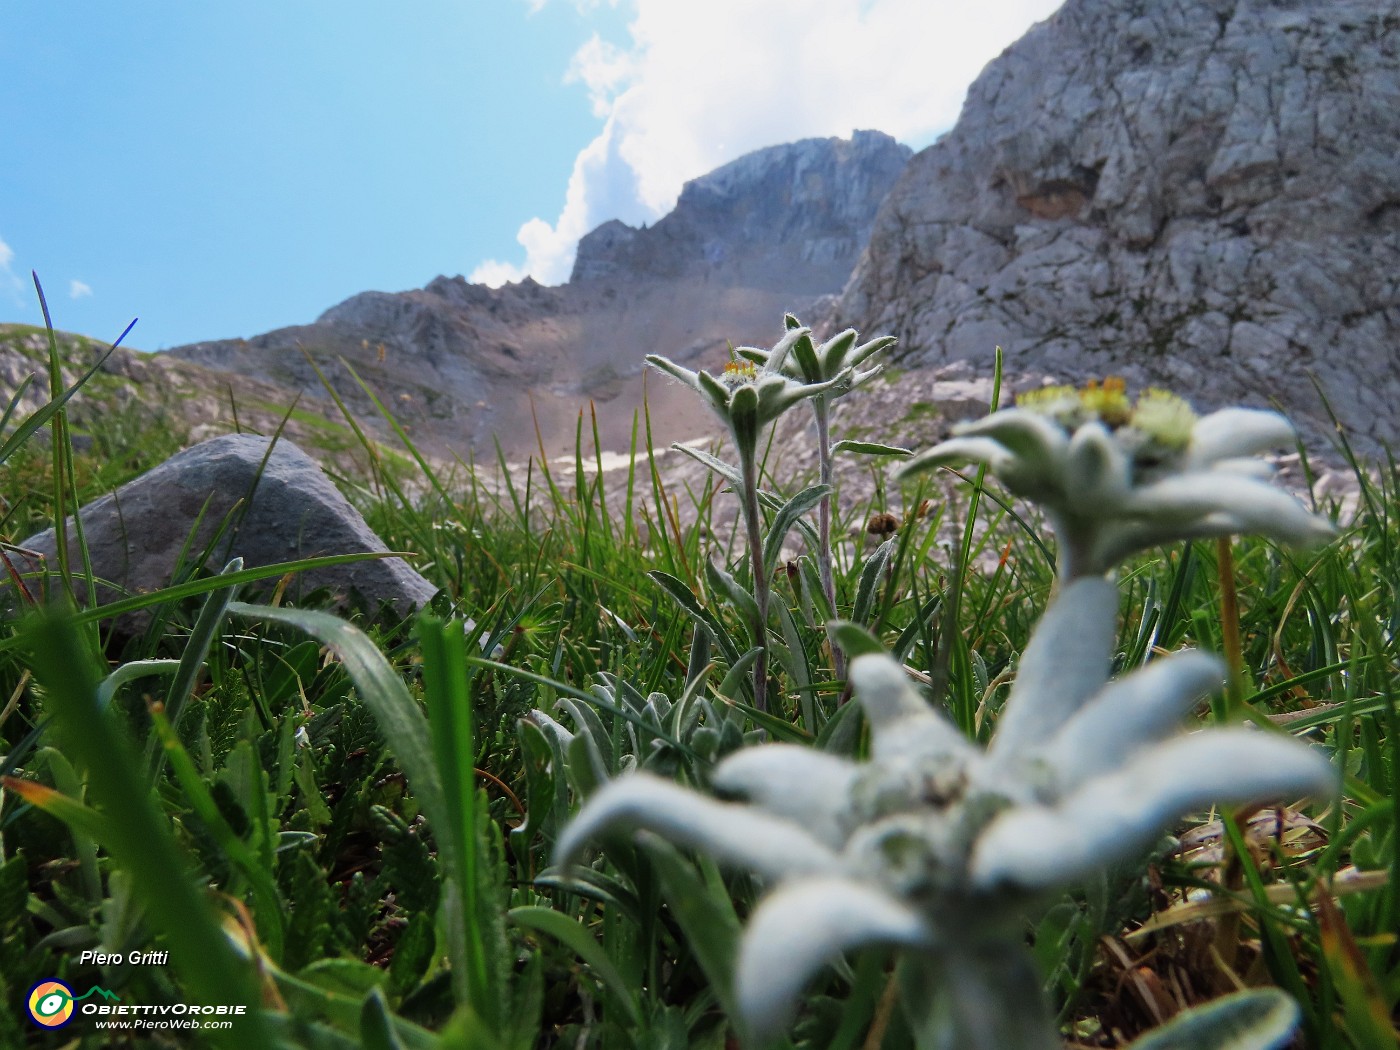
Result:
x=726 y=585
x=380 y=688
x=376 y=1024
x=189 y=589
x=871 y=575
x=791 y=511
x=1258 y=1019
x=734 y=679
x=413 y=953
x=77 y=816
x=130 y=672
x=14 y=889
x=578 y=940
x=836 y=350
x=793 y=656
x=723 y=469
x=805 y=353
x=471 y=899
x=537 y=756
x=42 y=415
x=701 y=904
x=137 y=834
x=206 y=626
x=870 y=448
x=686 y=599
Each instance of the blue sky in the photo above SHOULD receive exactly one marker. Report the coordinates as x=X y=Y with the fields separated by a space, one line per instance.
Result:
x=221 y=169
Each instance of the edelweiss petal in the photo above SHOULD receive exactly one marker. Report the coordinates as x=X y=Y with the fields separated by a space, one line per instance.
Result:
x=1037 y=443
x=1096 y=466
x=1235 y=432
x=1065 y=663
x=685 y=375
x=777 y=357
x=784 y=396
x=715 y=392
x=831 y=355
x=959 y=450
x=901 y=721
x=809 y=787
x=733 y=834
x=1122 y=539
x=1117 y=816
x=804 y=925
x=1129 y=713
x=1257 y=506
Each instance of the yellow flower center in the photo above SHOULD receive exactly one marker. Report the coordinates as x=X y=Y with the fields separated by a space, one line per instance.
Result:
x=1107 y=401
x=738 y=372
x=1155 y=430
x=1164 y=417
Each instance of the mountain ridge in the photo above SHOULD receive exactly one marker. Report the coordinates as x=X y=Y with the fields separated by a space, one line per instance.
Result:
x=769 y=233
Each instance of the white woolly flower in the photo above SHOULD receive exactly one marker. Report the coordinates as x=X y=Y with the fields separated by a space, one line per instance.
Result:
x=839 y=359
x=747 y=395
x=1116 y=477
x=935 y=845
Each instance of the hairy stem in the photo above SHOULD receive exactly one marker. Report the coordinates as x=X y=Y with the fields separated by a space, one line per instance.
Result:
x=819 y=409
x=753 y=526
x=1230 y=626
x=980 y=997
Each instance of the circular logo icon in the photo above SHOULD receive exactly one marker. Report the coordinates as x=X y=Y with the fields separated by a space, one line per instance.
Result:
x=51 y=1004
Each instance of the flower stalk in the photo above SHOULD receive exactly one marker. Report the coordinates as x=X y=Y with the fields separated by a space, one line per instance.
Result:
x=836 y=365
x=824 y=558
x=754 y=388
x=762 y=585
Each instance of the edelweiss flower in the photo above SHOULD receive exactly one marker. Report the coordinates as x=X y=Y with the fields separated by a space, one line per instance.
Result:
x=936 y=846
x=839 y=358
x=749 y=394
x=1116 y=477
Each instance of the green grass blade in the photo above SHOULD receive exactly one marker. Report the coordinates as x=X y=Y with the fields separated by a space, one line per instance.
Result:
x=578 y=940
x=139 y=838
x=192 y=588
x=206 y=626
x=380 y=688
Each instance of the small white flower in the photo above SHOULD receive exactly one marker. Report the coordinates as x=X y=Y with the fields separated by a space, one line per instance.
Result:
x=838 y=359
x=748 y=394
x=1116 y=478
x=936 y=846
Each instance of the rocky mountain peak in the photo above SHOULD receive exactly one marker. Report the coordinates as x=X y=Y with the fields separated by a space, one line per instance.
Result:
x=794 y=216
x=1200 y=193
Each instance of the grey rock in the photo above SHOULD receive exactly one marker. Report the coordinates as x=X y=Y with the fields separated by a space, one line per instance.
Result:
x=1203 y=194
x=291 y=510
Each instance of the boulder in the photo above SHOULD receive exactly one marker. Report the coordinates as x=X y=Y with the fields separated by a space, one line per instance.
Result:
x=231 y=497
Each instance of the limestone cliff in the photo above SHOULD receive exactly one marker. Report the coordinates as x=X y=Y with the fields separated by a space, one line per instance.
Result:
x=1203 y=193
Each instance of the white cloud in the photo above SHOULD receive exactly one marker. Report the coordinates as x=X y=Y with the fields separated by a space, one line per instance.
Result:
x=699 y=84
x=77 y=289
x=9 y=282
